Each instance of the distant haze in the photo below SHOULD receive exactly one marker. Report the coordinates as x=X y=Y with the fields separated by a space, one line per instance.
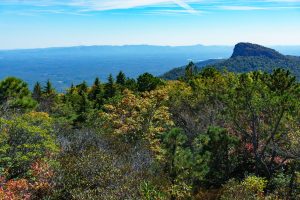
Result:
x=67 y=65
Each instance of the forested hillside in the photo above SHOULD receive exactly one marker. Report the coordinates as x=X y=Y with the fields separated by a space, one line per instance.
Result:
x=180 y=71
x=210 y=135
x=247 y=57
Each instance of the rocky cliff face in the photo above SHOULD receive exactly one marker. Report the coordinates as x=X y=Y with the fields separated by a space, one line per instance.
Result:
x=248 y=49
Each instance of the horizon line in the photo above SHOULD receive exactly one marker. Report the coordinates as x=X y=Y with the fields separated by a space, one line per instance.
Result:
x=153 y=45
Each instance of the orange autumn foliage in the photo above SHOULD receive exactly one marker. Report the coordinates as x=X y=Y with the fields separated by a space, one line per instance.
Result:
x=24 y=189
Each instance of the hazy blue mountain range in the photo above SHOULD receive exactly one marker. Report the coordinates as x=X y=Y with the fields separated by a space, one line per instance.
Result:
x=75 y=64
x=247 y=57
x=67 y=65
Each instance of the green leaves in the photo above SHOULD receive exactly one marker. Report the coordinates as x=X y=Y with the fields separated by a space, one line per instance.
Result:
x=24 y=140
x=184 y=164
x=15 y=94
x=147 y=82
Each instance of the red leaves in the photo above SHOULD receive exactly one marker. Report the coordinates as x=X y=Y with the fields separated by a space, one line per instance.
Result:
x=14 y=189
x=43 y=174
x=249 y=147
x=25 y=189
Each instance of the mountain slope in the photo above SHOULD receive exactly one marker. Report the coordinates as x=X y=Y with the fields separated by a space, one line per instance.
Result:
x=179 y=71
x=248 y=57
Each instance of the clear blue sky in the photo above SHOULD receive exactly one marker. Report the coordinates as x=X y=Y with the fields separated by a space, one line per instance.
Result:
x=48 y=23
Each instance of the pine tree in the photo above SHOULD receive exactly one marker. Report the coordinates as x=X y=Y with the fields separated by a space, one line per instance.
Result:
x=121 y=78
x=97 y=82
x=15 y=93
x=147 y=82
x=84 y=107
x=82 y=88
x=131 y=84
x=37 y=91
x=49 y=90
x=72 y=89
x=190 y=71
x=48 y=98
x=96 y=93
x=110 y=89
x=96 y=89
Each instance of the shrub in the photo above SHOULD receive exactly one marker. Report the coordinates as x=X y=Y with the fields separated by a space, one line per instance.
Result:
x=23 y=141
x=255 y=184
x=249 y=189
x=150 y=192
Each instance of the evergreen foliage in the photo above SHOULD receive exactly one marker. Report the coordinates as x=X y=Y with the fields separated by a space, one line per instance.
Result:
x=121 y=78
x=147 y=82
x=110 y=87
x=48 y=89
x=37 y=92
x=14 y=93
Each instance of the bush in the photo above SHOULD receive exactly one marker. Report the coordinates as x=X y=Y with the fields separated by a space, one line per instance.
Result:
x=249 y=189
x=150 y=192
x=255 y=184
x=23 y=141
x=94 y=167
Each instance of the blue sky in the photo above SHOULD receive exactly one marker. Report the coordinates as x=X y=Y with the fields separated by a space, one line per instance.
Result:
x=48 y=23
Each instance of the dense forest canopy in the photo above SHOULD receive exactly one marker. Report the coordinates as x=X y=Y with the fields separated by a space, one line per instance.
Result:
x=209 y=135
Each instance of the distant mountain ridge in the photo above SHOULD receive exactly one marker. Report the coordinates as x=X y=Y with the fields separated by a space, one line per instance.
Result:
x=249 y=57
x=67 y=65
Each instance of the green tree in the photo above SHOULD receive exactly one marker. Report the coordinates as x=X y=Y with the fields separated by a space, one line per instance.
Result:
x=185 y=164
x=37 y=92
x=262 y=108
x=84 y=108
x=110 y=88
x=72 y=89
x=82 y=87
x=14 y=93
x=121 y=78
x=209 y=72
x=95 y=90
x=223 y=161
x=131 y=84
x=190 y=71
x=48 y=89
x=96 y=93
x=147 y=82
x=48 y=99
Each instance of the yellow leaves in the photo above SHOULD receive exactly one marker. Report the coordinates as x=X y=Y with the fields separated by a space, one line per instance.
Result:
x=255 y=184
x=156 y=95
x=178 y=86
x=138 y=117
x=180 y=190
x=40 y=119
x=40 y=115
